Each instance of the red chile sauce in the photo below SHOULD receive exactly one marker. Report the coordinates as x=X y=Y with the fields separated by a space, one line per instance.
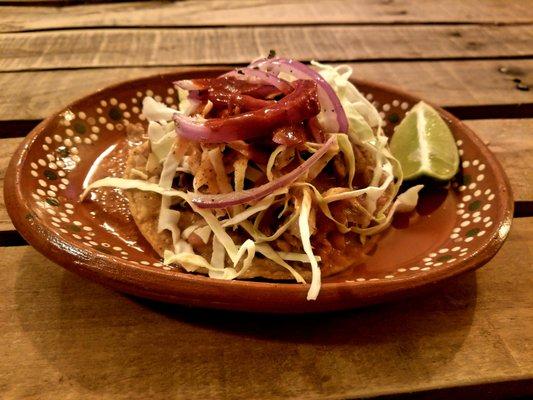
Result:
x=108 y=206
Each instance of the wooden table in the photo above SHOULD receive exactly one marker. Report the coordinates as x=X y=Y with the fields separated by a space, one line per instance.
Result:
x=64 y=337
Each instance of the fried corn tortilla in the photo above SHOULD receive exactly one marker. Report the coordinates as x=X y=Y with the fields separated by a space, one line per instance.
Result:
x=285 y=159
x=145 y=206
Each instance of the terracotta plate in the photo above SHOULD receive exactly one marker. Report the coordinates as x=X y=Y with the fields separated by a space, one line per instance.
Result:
x=454 y=229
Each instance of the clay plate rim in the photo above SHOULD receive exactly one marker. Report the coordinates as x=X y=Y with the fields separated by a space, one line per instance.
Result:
x=199 y=290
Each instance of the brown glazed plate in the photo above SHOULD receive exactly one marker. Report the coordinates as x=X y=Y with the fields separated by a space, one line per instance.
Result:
x=455 y=228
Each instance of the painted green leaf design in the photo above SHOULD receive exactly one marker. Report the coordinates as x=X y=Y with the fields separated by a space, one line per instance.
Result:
x=74 y=228
x=472 y=232
x=79 y=127
x=115 y=114
x=50 y=175
x=394 y=118
x=474 y=205
x=52 y=201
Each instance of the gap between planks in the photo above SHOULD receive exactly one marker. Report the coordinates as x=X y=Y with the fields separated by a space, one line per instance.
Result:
x=300 y=25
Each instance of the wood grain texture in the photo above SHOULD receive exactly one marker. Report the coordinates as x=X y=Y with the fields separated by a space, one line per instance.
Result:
x=262 y=12
x=8 y=147
x=503 y=135
x=69 y=338
x=37 y=94
x=510 y=140
x=65 y=337
x=191 y=46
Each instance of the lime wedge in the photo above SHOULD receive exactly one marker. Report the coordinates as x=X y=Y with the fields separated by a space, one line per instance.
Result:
x=424 y=145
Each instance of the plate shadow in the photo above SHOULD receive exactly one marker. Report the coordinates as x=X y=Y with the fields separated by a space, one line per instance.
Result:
x=111 y=344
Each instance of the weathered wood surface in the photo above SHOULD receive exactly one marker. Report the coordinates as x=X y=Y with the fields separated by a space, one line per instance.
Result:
x=68 y=338
x=37 y=94
x=65 y=337
x=510 y=140
x=262 y=12
x=191 y=46
x=8 y=147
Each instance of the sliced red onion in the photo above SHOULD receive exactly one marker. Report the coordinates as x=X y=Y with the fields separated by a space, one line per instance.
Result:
x=335 y=117
x=246 y=196
x=193 y=94
x=256 y=75
x=300 y=104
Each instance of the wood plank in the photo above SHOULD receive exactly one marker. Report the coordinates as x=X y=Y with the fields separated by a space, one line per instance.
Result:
x=37 y=94
x=510 y=140
x=262 y=12
x=70 y=338
x=8 y=147
x=191 y=46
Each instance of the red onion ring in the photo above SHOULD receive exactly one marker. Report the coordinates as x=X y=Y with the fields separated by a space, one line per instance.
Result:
x=300 y=104
x=267 y=78
x=336 y=120
x=245 y=196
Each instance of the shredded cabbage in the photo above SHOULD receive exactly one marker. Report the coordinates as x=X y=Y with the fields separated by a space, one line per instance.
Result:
x=363 y=146
x=405 y=202
x=288 y=224
x=202 y=231
x=365 y=129
x=261 y=205
x=217 y=258
x=272 y=160
x=305 y=234
x=156 y=111
x=215 y=156
x=349 y=158
x=168 y=219
x=162 y=137
x=191 y=262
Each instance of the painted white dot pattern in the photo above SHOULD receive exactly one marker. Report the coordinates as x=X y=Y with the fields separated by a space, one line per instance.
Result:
x=114 y=113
